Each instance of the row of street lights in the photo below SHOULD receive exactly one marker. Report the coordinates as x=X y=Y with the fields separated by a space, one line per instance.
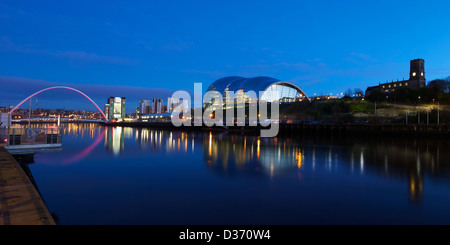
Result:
x=428 y=116
x=418 y=114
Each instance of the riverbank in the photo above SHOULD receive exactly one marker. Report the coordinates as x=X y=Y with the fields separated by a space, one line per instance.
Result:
x=20 y=202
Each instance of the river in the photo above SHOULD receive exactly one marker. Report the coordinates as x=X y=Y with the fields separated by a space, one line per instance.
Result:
x=115 y=175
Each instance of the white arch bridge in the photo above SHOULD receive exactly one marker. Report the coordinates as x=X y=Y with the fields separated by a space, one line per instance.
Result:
x=59 y=87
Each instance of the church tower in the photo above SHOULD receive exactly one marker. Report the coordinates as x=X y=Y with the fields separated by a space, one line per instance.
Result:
x=417 y=72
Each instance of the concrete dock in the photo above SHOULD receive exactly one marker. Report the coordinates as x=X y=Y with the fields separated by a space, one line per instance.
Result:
x=20 y=202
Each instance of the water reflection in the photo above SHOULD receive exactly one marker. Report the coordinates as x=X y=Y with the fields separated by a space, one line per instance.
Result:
x=148 y=139
x=90 y=132
x=230 y=153
x=86 y=151
x=242 y=178
x=409 y=161
x=115 y=140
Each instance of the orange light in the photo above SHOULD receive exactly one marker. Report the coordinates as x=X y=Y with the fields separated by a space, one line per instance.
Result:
x=210 y=144
x=258 y=144
x=299 y=158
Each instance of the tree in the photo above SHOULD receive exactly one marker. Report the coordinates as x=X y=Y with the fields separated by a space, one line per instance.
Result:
x=376 y=95
x=402 y=95
x=348 y=93
x=358 y=92
x=441 y=85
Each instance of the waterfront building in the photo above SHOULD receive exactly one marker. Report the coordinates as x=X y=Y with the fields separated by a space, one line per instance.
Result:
x=5 y=119
x=272 y=89
x=115 y=108
x=157 y=117
x=107 y=111
x=144 y=107
x=416 y=79
x=172 y=103
x=157 y=106
x=6 y=109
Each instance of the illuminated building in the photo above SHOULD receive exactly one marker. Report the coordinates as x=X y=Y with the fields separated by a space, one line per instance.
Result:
x=115 y=108
x=107 y=111
x=172 y=103
x=416 y=79
x=157 y=106
x=157 y=117
x=144 y=107
x=4 y=120
x=272 y=89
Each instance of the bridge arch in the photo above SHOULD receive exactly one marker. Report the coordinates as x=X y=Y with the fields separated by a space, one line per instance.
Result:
x=59 y=87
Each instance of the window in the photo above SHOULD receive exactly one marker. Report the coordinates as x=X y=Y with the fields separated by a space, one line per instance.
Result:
x=414 y=74
x=406 y=84
x=421 y=74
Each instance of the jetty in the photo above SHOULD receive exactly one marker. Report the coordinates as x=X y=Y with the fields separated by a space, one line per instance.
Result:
x=20 y=201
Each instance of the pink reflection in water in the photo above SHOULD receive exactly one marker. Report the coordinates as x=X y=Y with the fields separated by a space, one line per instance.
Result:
x=79 y=156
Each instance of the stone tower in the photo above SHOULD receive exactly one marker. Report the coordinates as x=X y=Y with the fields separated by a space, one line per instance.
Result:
x=417 y=72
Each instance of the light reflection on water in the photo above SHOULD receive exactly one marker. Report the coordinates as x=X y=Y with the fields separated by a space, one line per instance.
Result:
x=340 y=176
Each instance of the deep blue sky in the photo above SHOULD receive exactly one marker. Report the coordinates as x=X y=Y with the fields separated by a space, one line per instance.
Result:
x=322 y=46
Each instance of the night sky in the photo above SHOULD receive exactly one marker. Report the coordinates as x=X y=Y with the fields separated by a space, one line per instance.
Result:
x=148 y=49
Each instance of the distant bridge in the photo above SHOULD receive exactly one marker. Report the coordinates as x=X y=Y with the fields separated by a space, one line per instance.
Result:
x=59 y=87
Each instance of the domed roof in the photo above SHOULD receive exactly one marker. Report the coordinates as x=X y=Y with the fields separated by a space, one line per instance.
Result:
x=235 y=83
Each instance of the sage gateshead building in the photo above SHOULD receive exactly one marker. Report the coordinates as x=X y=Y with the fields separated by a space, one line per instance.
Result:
x=271 y=89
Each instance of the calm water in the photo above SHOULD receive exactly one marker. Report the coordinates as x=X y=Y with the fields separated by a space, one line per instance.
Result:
x=141 y=176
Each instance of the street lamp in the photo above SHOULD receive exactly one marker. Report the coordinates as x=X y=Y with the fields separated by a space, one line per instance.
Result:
x=29 y=113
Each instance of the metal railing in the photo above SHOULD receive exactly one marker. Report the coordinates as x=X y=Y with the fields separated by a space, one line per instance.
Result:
x=18 y=135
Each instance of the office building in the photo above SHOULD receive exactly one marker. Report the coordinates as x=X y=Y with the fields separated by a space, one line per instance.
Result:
x=157 y=106
x=115 y=108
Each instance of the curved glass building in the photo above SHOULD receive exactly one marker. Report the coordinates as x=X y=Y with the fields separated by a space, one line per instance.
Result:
x=272 y=89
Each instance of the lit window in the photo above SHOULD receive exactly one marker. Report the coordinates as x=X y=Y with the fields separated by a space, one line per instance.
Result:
x=389 y=86
x=421 y=74
x=387 y=90
x=400 y=84
x=406 y=84
x=383 y=86
x=395 y=85
x=414 y=74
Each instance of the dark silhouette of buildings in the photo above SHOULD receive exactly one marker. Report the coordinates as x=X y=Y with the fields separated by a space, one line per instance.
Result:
x=416 y=79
